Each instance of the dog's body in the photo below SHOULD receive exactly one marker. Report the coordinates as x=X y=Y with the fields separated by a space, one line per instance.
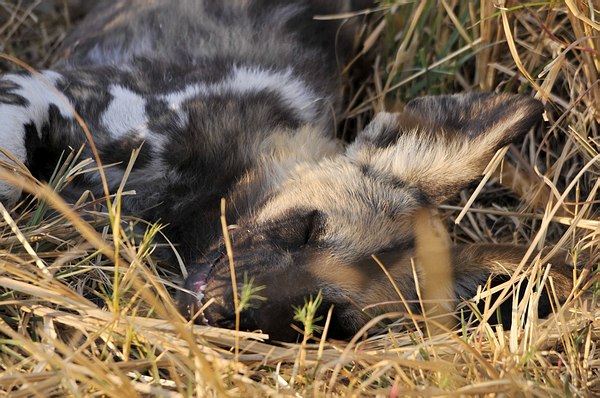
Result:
x=239 y=99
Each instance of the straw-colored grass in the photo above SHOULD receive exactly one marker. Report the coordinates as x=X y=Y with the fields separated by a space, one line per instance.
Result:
x=85 y=311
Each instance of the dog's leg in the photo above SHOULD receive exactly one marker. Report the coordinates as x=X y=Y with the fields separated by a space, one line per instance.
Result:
x=32 y=110
x=39 y=120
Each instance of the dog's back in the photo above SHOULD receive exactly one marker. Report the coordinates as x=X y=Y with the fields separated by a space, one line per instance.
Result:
x=276 y=33
x=191 y=41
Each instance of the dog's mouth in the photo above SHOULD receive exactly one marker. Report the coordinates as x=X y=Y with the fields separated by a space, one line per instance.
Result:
x=195 y=285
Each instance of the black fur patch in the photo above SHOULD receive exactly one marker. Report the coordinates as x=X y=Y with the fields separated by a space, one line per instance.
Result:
x=6 y=95
x=393 y=182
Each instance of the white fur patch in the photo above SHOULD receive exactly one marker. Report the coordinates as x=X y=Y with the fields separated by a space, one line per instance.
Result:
x=125 y=113
x=12 y=133
x=293 y=91
x=41 y=93
x=126 y=116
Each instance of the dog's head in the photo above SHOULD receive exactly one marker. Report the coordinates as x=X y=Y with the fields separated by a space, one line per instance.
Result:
x=317 y=230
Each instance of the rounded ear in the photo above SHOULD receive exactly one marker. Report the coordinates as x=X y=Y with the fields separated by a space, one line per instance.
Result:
x=441 y=143
x=474 y=114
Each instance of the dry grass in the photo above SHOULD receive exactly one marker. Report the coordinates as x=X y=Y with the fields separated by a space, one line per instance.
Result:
x=85 y=314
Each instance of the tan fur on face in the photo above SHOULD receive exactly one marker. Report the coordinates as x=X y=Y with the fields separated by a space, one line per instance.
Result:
x=366 y=194
x=278 y=156
x=361 y=215
x=444 y=274
x=365 y=284
x=306 y=144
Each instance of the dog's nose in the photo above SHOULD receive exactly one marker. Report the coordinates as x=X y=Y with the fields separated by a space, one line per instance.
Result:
x=191 y=298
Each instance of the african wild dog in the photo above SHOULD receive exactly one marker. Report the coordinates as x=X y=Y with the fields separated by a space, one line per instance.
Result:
x=238 y=99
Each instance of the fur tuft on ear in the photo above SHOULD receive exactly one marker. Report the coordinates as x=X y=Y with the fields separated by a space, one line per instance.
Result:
x=441 y=143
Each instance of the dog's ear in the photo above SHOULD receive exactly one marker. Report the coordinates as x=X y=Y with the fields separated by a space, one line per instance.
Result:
x=507 y=116
x=439 y=144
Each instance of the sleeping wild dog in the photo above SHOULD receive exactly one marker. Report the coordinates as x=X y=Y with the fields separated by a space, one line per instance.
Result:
x=239 y=99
